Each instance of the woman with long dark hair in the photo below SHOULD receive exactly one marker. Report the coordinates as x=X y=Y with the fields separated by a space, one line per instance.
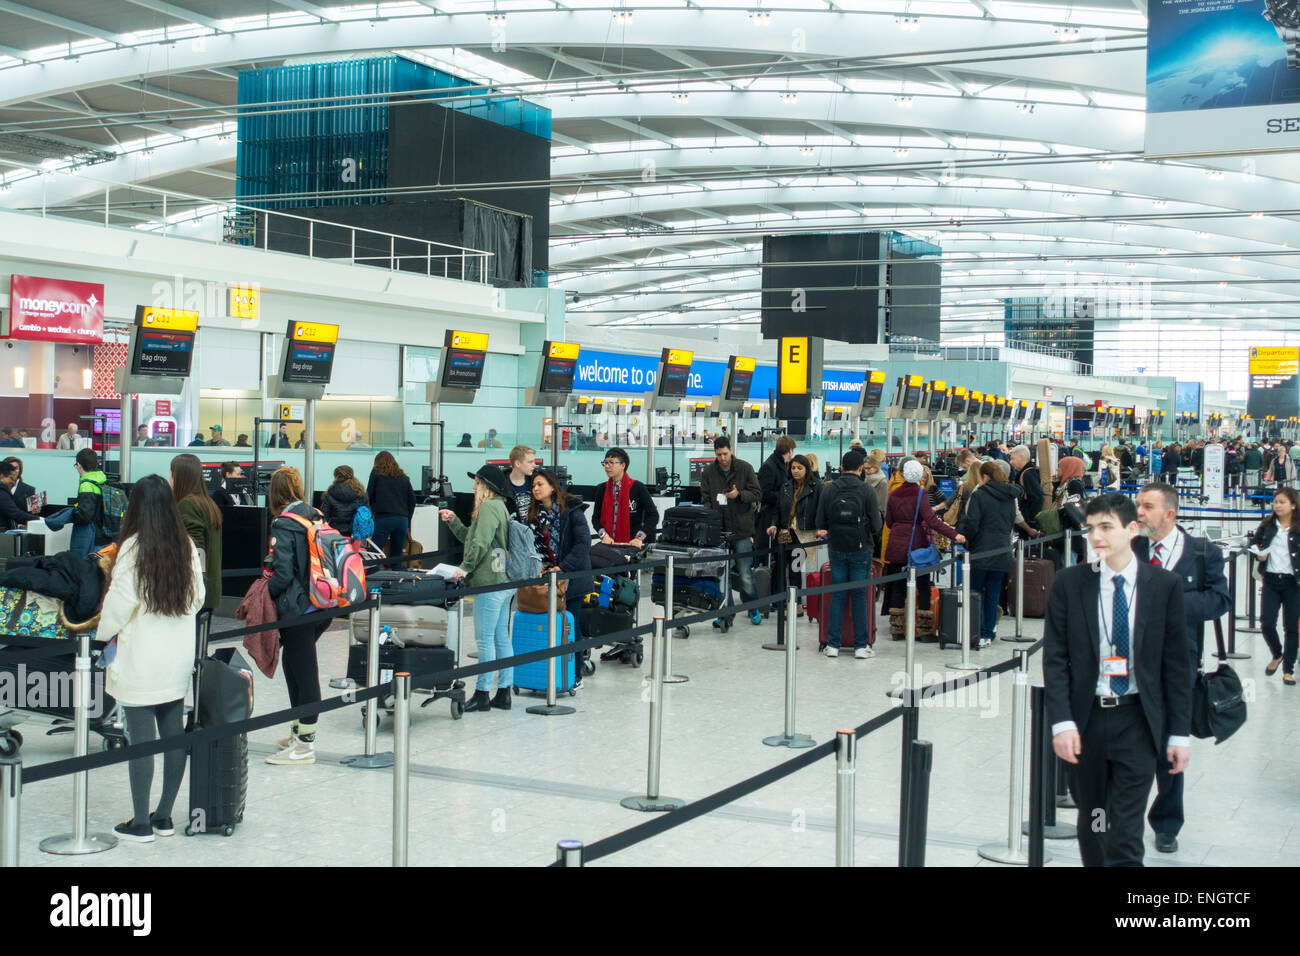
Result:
x=563 y=538
x=1277 y=549
x=342 y=499
x=798 y=513
x=288 y=587
x=155 y=590
x=202 y=520
x=392 y=499
x=988 y=522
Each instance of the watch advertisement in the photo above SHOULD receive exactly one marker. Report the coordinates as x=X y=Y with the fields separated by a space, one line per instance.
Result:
x=1223 y=77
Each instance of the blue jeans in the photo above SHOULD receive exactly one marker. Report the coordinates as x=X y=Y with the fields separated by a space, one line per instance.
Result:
x=394 y=526
x=744 y=570
x=848 y=566
x=989 y=585
x=492 y=633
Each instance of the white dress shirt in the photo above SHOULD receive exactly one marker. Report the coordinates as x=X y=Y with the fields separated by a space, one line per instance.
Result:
x=1105 y=609
x=1279 y=553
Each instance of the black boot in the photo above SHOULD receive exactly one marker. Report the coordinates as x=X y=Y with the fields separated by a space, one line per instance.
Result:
x=479 y=701
x=502 y=699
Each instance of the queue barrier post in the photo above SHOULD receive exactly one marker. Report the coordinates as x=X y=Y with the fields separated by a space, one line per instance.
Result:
x=569 y=853
x=1251 y=609
x=1019 y=637
x=401 y=766
x=911 y=723
x=551 y=708
x=789 y=738
x=918 y=798
x=11 y=795
x=370 y=760
x=909 y=631
x=652 y=801
x=968 y=629
x=846 y=756
x=79 y=842
x=1038 y=783
x=669 y=676
x=1013 y=851
x=1069 y=547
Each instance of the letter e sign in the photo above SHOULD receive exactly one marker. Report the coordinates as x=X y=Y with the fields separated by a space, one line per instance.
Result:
x=793 y=366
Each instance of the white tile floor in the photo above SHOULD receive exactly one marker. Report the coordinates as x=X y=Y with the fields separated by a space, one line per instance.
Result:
x=502 y=788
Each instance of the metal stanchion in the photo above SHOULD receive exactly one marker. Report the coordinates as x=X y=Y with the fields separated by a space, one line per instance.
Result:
x=846 y=756
x=1020 y=598
x=1012 y=851
x=1038 y=795
x=669 y=676
x=783 y=632
x=551 y=708
x=1043 y=762
x=79 y=842
x=370 y=760
x=909 y=629
x=789 y=738
x=11 y=793
x=652 y=801
x=918 y=798
x=569 y=853
x=1069 y=547
x=911 y=723
x=401 y=765
x=967 y=628
x=1251 y=608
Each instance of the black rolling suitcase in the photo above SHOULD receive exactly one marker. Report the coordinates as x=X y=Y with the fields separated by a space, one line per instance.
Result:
x=949 y=629
x=696 y=525
x=223 y=694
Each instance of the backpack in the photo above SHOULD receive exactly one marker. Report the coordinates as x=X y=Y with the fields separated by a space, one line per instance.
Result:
x=523 y=561
x=114 y=511
x=335 y=571
x=363 y=523
x=845 y=520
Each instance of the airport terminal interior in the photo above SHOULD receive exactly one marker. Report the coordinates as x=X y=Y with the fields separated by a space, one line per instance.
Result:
x=787 y=357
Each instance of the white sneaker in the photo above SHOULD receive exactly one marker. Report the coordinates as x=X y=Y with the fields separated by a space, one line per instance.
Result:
x=300 y=753
x=863 y=653
x=284 y=743
x=830 y=651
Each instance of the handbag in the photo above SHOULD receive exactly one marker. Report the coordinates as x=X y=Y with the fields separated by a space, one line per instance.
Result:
x=921 y=558
x=535 y=598
x=1218 y=704
x=1049 y=521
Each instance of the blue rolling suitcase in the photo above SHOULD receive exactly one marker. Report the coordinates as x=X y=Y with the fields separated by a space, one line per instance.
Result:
x=529 y=634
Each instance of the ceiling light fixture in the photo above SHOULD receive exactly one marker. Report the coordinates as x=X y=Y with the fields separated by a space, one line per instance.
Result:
x=681 y=96
x=1215 y=173
x=901 y=152
x=1069 y=197
x=1106 y=164
x=1202 y=235
x=1066 y=34
x=908 y=24
x=623 y=16
x=1025 y=107
x=904 y=102
x=789 y=96
x=760 y=18
x=1122 y=227
x=806 y=150
x=1256 y=215
x=1161 y=204
x=1162 y=252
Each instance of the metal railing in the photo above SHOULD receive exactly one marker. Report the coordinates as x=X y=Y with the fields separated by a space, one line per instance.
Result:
x=272 y=230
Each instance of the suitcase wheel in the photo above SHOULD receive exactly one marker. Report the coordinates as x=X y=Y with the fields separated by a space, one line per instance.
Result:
x=457 y=709
x=228 y=830
x=682 y=632
x=114 y=742
x=589 y=667
x=9 y=743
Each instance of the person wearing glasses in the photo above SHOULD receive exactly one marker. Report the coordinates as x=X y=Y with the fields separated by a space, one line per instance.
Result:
x=624 y=511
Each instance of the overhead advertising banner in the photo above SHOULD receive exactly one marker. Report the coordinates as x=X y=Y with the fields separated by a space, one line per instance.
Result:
x=1223 y=76
x=56 y=310
x=1187 y=398
x=1274 y=382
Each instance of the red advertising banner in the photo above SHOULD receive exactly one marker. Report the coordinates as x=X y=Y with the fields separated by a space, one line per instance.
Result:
x=162 y=408
x=56 y=310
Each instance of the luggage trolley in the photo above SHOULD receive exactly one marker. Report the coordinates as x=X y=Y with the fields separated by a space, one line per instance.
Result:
x=704 y=587
x=420 y=620
x=606 y=615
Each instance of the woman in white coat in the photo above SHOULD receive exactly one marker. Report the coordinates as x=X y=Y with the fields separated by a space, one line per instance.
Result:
x=155 y=591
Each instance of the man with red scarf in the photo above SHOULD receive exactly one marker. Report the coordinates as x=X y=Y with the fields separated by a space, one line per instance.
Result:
x=625 y=513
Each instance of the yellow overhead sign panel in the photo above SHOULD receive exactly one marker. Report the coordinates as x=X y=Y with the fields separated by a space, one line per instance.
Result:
x=562 y=350
x=475 y=341
x=1276 y=360
x=745 y=364
x=313 y=332
x=794 y=366
x=679 y=357
x=172 y=320
x=243 y=302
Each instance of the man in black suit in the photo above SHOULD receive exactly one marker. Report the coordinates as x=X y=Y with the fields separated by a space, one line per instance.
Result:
x=1199 y=565
x=1118 y=682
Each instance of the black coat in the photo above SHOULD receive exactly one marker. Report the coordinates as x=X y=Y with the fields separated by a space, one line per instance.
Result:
x=575 y=551
x=1161 y=665
x=1263 y=536
x=11 y=514
x=74 y=579
x=773 y=476
x=390 y=496
x=1031 y=483
x=289 y=564
x=987 y=522
x=1205 y=589
x=339 y=504
x=805 y=507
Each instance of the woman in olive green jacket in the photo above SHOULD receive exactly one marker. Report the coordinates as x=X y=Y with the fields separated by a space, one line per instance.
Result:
x=484 y=564
x=202 y=521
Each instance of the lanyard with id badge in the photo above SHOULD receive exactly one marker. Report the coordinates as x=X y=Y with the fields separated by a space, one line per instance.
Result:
x=1111 y=665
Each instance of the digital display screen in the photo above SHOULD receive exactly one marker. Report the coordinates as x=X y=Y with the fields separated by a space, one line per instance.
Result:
x=873 y=393
x=1099 y=417
x=673 y=384
x=558 y=373
x=1006 y=411
x=754 y=410
x=738 y=387
x=697 y=468
x=974 y=406
x=112 y=418
x=463 y=369
x=958 y=405
x=936 y=399
x=162 y=353
x=1274 y=383
x=597 y=405
x=582 y=406
x=309 y=363
x=911 y=396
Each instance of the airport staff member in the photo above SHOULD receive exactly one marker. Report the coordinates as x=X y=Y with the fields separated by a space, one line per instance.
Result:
x=68 y=440
x=1199 y=565
x=1118 y=682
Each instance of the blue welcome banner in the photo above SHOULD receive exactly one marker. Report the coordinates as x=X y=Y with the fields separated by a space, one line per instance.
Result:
x=618 y=372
